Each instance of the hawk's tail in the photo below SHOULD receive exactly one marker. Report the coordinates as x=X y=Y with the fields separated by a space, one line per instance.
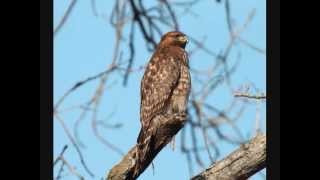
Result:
x=144 y=146
x=140 y=136
x=144 y=142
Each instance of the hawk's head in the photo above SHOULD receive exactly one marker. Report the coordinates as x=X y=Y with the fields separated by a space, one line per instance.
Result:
x=174 y=38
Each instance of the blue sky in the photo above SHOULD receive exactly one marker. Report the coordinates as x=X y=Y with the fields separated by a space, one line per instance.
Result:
x=84 y=47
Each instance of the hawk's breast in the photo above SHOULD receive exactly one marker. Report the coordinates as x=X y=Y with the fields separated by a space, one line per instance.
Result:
x=180 y=96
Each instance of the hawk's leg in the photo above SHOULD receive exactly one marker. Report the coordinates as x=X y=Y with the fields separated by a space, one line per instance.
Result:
x=173 y=143
x=181 y=116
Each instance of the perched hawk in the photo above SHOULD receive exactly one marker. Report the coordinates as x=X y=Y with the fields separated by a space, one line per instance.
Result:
x=165 y=87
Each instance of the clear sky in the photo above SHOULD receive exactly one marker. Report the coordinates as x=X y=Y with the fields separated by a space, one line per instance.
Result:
x=84 y=47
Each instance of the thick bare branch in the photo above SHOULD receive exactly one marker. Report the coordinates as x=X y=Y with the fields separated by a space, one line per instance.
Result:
x=128 y=168
x=241 y=164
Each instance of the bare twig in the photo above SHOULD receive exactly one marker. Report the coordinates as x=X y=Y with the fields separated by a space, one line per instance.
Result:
x=132 y=53
x=74 y=144
x=245 y=42
x=137 y=17
x=99 y=136
x=82 y=115
x=250 y=96
x=71 y=169
x=94 y=8
x=61 y=154
x=81 y=83
x=59 y=175
x=58 y=159
x=64 y=17
x=172 y=14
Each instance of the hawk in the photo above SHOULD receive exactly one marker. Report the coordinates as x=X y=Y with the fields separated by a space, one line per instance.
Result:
x=165 y=88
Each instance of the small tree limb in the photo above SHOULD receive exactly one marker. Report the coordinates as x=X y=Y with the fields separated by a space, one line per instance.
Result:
x=250 y=96
x=240 y=164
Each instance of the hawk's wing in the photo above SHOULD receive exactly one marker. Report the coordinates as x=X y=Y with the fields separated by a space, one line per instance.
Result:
x=159 y=80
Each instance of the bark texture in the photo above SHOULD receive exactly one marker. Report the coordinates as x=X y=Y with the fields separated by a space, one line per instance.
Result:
x=240 y=164
x=128 y=169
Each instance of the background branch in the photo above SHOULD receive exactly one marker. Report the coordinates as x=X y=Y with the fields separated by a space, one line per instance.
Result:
x=250 y=96
x=64 y=17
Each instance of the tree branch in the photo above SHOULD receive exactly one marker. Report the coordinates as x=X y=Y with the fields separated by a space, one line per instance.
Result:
x=128 y=168
x=64 y=17
x=239 y=165
x=250 y=96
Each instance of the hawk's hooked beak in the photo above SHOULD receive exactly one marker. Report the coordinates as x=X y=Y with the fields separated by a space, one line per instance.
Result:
x=183 y=39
